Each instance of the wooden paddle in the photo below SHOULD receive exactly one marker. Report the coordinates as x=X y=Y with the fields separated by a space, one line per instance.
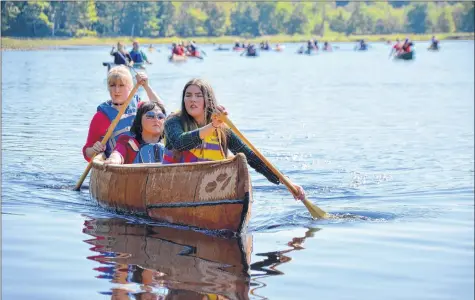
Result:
x=109 y=132
x=315 y=211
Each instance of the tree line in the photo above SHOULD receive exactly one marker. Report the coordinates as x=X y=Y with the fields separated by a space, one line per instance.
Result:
x=246 y=19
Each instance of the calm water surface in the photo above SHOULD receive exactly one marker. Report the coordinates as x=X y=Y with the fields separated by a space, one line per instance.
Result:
x=391 y=142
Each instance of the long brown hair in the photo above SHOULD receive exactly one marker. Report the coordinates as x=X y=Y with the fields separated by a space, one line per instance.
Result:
x=189 y=123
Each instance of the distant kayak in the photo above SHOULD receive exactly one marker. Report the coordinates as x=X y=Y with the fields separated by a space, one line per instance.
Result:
x=238 y=49
x=109 y=65
x=221 y=49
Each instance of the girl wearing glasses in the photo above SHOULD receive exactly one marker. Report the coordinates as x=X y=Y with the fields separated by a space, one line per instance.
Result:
x=143 y=146
x=119 y=84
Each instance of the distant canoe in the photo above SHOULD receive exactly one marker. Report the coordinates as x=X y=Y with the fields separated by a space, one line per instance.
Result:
x=190 y=262
x=307 y=52
x=195 y=56
x=137 y=66
x=208 y=195
x=405 y=56
x=238 y=49
x=177 y=58
x=221 y=49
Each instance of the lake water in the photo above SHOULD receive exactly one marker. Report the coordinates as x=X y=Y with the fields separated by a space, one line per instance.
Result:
x=389 y=141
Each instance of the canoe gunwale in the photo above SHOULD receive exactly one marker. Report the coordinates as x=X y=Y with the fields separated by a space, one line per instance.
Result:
x=98 y=163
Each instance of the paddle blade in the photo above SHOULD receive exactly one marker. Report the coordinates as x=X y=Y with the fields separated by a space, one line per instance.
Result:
x=314 y=210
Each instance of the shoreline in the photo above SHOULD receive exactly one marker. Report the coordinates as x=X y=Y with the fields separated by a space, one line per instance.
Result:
x=9 y=43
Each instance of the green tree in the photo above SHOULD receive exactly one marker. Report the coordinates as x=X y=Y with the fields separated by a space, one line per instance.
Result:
x=9 y=14
x=215 y=23
x=35 y=17
x=338 y=23
x=468 y=20
x=268 y=21
x=356 y=22
x=244 y=20
x=140 y=19
x=445 y=22
x=191 y=23
x=165 y=19
x=283 y=11
x=298 y=21
x=418 y=18
x=166 y=15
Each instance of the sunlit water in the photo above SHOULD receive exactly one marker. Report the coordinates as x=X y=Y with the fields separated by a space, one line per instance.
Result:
x=390 y=142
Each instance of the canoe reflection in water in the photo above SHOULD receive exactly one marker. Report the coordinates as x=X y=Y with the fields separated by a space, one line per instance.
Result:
x=152 y=262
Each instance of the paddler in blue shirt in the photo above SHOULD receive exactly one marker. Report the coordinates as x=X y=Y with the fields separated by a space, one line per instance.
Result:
x=138 y=56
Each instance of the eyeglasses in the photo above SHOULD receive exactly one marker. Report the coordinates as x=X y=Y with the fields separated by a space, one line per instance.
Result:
x=150 y=115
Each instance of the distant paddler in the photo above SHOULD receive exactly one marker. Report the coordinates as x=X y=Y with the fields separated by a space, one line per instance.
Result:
x=315 y=42
x=121 y=56
x=396 y=49
x=250 y=50
x=309 y=48
x=178 y=53
x=193 y=51
x=151 y=48
x=327 y=47
x=238 y=46
x=279 y=47
x=119 y=85
x=407 y=46
x=138 y=56
x=434 y=46
x=361 y=46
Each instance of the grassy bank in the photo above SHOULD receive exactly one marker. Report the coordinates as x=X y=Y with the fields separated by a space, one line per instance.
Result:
x=29 y=44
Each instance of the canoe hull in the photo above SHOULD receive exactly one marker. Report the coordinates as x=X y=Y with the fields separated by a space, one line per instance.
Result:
x=207 y=195
x=177 y=58
x=405 y=56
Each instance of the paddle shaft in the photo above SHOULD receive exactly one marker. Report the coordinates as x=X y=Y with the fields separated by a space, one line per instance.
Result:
x=314 y=210
x=109 y=132
x=282 y=178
